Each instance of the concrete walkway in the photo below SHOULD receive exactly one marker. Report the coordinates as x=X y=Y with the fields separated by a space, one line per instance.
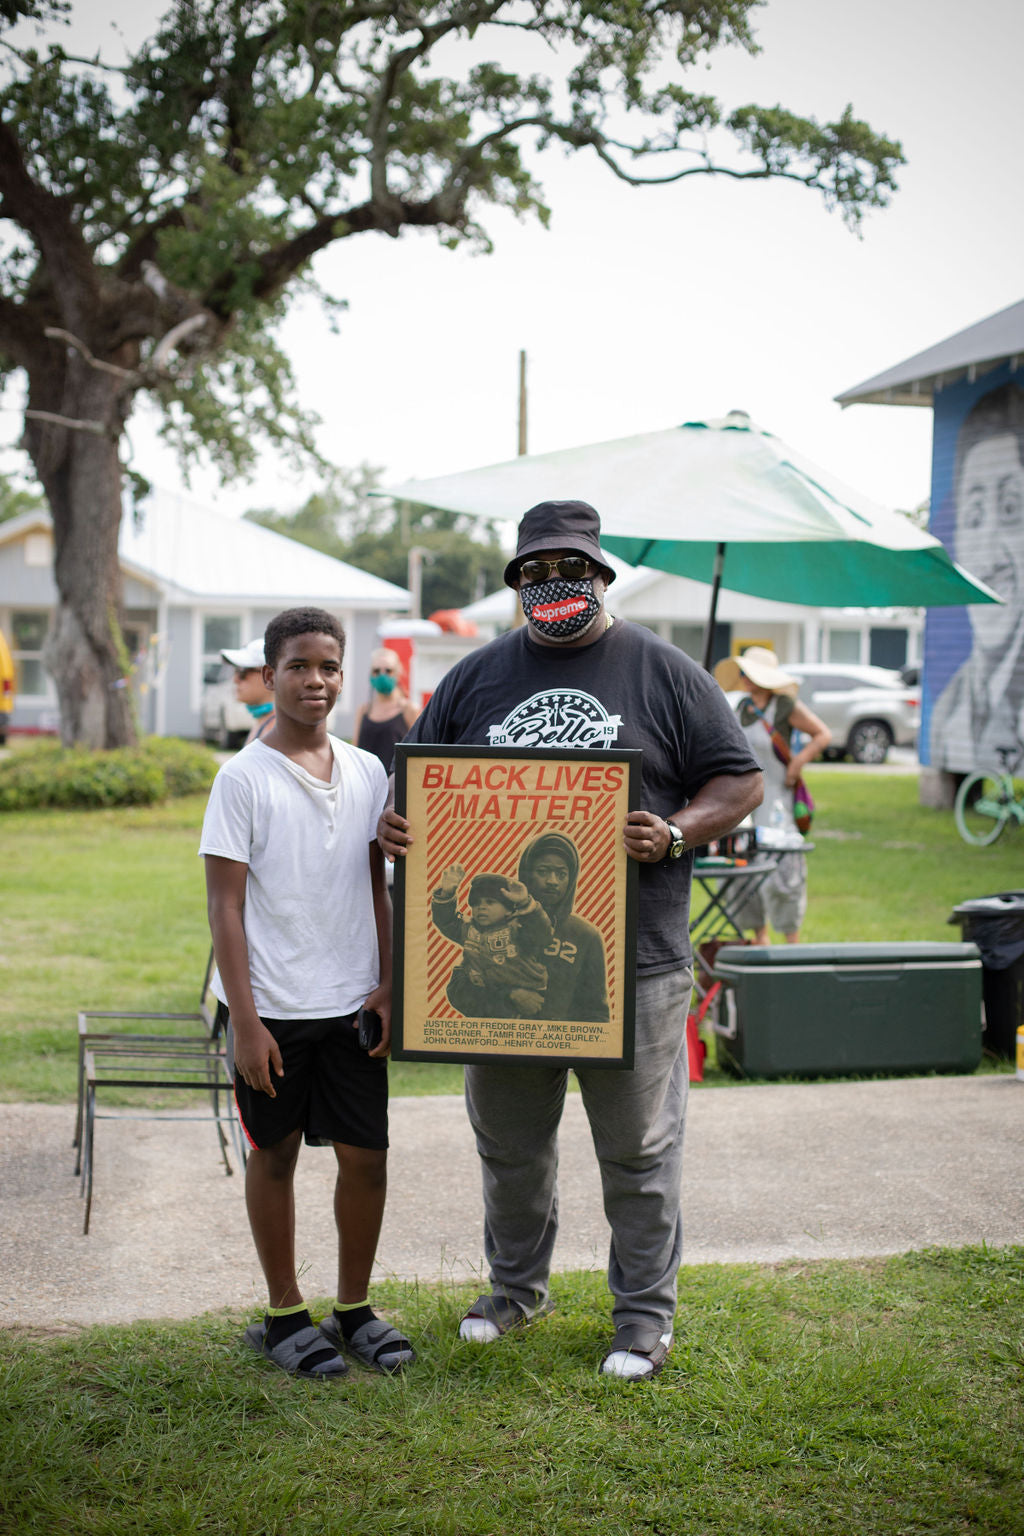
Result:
x=773 y=1172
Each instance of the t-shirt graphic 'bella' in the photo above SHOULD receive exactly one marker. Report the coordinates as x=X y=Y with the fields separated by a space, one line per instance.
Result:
x=557 y=718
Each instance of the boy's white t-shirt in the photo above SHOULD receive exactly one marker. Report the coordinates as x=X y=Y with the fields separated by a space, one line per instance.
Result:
x=308 y=914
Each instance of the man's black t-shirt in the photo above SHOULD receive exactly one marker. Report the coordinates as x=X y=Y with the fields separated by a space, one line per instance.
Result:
x=627 y=690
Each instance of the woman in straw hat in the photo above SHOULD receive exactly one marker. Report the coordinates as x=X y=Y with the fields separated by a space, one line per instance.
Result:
x=768 y=705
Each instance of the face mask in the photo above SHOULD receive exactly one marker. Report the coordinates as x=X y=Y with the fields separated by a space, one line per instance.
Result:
x=259 y=710
x=559 y=609
x=383 y=682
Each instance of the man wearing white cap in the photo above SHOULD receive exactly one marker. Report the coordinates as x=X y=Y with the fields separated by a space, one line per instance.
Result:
x=250 y=689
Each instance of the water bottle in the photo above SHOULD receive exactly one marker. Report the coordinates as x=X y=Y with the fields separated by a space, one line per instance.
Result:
x=777 y=817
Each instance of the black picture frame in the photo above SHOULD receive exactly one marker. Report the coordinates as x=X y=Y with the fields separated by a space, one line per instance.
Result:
x=479 y=810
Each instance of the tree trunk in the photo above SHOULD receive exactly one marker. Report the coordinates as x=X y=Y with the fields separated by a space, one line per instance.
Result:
x=80 y=471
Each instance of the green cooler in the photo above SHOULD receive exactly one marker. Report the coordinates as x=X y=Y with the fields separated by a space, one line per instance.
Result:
x=825 y=1010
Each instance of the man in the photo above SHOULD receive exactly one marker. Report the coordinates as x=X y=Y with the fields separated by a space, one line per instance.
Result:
x=574 y=677
x=577 y=987
x=301 y=926
x=250 y=689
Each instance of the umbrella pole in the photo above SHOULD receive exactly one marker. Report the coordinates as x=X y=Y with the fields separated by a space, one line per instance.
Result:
x=716 y=582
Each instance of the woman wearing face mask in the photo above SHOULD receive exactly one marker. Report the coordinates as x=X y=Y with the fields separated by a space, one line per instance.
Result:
x=390 y=712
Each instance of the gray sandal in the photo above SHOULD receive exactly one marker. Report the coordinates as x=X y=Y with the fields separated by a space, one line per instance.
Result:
x=376 y=1343
x=291 y=1353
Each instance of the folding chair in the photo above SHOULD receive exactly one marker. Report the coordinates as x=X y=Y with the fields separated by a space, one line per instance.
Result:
x=139 y=1059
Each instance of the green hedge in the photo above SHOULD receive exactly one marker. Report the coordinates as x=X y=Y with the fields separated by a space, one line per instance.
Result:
x=159 y=768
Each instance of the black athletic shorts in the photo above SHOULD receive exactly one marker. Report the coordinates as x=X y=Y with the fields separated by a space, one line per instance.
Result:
x=332 y=1089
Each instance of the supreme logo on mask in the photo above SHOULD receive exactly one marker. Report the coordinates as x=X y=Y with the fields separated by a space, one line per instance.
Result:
x=551 y=613
x=560 y=609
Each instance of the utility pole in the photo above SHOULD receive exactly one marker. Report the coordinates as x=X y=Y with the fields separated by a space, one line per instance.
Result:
x=518 y=617
x=415 y=580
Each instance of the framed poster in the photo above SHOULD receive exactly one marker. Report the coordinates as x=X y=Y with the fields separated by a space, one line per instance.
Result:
x=515 y=907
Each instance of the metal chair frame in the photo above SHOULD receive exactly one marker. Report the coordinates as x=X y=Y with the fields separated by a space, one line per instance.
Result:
x=125 y=1058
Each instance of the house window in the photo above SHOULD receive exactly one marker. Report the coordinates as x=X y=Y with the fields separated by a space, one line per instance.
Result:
x=888 y=648
x=29 y=633
x=38 y=549
x=844 y=645
x=220 y=632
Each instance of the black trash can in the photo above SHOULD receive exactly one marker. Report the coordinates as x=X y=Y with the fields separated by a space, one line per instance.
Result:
x=996 y=925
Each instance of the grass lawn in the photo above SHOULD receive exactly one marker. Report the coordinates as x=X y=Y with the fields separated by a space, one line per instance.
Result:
x=877 y=1397
x=824 y=1399
x=106 y=909
x=885 y=867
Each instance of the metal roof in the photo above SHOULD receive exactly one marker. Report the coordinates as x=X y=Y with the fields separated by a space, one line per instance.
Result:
x=972 y=352
x=196 y=554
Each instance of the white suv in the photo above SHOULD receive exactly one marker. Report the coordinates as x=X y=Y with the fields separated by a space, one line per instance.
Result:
x=867 y=709
x=223 y=719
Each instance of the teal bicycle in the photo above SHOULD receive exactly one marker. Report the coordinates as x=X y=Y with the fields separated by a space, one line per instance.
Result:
x=988 y=802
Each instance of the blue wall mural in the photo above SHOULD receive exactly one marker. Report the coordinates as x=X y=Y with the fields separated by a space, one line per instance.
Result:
x=972 y=712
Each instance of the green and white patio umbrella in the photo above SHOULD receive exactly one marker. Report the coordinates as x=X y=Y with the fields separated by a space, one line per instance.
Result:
x=727 y=503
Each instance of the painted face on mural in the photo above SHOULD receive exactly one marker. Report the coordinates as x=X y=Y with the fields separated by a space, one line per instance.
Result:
x=990 y=533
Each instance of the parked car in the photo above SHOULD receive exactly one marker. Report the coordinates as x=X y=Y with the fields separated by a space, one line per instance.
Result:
x=224 y=720
x=867 y=709
x=6 y=688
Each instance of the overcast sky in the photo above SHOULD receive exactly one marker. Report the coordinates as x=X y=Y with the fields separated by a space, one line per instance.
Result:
x=640 y=308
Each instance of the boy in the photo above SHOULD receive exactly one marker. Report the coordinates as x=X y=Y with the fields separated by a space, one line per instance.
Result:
x=500 y=975
x=301 y=925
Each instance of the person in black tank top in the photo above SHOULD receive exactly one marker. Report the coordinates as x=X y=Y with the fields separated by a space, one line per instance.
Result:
x=390 y=712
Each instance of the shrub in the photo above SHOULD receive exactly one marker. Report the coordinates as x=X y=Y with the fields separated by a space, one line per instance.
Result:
x=189 y=768
x=157 y=769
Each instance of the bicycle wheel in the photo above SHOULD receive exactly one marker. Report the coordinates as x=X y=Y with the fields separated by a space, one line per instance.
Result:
x=982 y=808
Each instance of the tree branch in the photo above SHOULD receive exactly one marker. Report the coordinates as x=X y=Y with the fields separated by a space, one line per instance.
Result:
x=163 y=349
x=55 y=333
x=399 y=62
x=96 y=428
x=48 y=220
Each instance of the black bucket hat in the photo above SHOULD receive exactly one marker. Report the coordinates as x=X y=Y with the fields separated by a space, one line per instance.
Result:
x=570 y=525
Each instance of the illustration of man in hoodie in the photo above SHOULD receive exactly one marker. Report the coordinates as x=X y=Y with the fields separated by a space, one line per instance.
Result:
x=502 y=974
x=577 y=987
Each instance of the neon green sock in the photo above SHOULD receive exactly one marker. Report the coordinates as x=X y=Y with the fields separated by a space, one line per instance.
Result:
x=352 y=1315
x=282 y=1322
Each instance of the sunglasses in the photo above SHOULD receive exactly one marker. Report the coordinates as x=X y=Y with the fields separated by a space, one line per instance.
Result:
x=572 y=567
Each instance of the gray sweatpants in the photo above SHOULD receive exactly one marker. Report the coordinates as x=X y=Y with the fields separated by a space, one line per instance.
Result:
x=637 y=1120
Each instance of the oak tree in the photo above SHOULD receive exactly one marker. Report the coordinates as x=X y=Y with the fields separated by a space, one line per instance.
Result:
x=156 y=218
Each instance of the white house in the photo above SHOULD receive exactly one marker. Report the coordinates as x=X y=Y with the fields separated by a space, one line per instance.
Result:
x=195 y=581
